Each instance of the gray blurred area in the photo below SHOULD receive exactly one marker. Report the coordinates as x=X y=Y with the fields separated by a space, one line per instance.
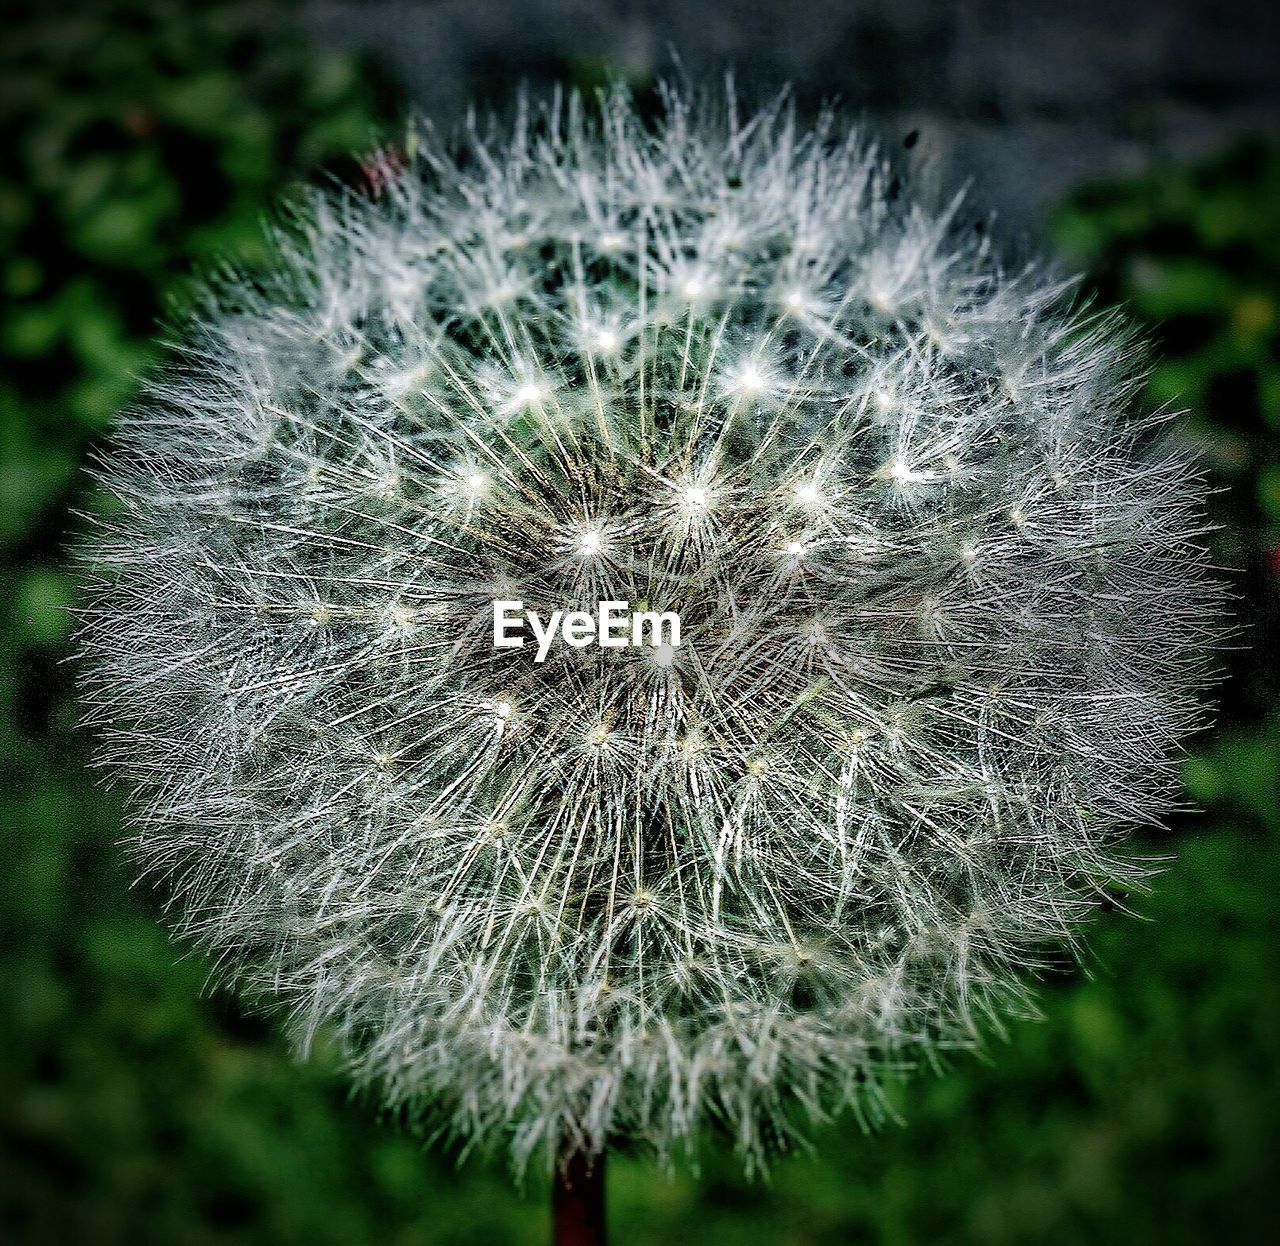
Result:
x=1030 y=99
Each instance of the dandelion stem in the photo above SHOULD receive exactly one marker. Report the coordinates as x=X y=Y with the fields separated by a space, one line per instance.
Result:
x=577 y=1199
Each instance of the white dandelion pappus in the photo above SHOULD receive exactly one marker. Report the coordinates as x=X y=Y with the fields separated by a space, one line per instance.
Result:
x=944 y=605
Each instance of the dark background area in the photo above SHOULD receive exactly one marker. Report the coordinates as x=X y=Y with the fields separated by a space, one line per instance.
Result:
x=1134 y=142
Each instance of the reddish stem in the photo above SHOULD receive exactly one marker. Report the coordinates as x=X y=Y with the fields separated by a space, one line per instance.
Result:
x=577 y=1199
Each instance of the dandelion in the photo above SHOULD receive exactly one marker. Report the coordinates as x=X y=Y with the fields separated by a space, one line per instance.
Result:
x=945 y=619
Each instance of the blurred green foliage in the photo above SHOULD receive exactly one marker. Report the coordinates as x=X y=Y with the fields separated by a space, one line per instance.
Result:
x=142 y=136
x=135 y=1108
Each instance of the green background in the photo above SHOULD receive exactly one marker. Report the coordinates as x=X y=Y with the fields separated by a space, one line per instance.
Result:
x=136 y=1107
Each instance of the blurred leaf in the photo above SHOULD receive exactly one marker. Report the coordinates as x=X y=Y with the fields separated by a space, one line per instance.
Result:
x=42 y=606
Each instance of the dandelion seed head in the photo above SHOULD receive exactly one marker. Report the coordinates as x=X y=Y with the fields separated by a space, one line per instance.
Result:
x=945 y=622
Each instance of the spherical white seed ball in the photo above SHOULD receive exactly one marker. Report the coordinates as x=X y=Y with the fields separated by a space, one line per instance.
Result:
x=943 y=622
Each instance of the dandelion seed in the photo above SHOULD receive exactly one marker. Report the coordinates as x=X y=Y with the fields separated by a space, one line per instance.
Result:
x=808 y=495
x=400 y=620
x=529 y=394
x=749 y=382
x=605 y=341
x=662 y=656
x=695 y=500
